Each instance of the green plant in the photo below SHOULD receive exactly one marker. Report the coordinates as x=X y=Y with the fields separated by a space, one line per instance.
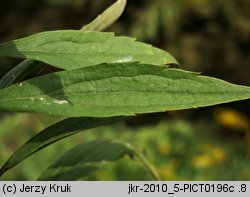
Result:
x=105 y=79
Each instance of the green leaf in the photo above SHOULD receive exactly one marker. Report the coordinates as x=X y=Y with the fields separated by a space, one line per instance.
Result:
x=120 y=89
x=19 y=72
x=52 y=134
x=103 y=21
x=71 y=49
x=83 y=159
x=107 y=18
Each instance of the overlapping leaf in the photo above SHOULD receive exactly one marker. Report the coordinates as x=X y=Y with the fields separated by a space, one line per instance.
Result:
x=52 y=134
x=71 y=49
x=120 y=89
x=84 y=159
x=103 y=21
x=19 y=72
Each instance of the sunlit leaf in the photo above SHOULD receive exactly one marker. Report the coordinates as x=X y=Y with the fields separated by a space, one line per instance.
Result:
x=107 y=18
x=70 y=49
x=103 y=21
x=120 y=89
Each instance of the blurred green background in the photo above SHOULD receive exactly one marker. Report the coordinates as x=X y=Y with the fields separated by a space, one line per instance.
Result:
x=208 y=36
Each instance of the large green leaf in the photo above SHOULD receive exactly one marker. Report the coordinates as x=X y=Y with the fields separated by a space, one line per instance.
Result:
x=83 y=159
x=120 y=89
x=103 y=21
x=70 y=49
x=52 y=134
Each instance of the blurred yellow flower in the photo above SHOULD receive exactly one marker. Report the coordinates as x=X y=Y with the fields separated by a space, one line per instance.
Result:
x=164 y=148
x=211 y=157
x=201 y=161
x=168 y=172
x=218 y=155
x=232 y=119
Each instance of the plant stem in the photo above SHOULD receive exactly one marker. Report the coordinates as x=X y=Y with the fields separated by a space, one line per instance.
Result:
x=148 y=166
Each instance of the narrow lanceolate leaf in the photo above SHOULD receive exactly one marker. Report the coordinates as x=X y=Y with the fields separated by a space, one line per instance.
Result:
x=52 y=134
x=107 y=18
x=70 y=49
x=120 y=89
x=83 y=159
